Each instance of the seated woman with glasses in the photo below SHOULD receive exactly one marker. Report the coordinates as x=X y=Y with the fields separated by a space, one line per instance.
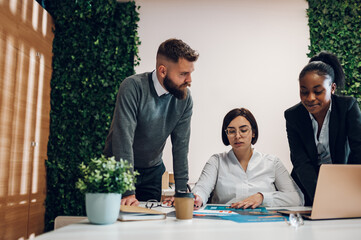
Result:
x=244 y=177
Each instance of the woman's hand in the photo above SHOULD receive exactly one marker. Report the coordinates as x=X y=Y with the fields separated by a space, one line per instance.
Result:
x=252 y=201
x=198 y=202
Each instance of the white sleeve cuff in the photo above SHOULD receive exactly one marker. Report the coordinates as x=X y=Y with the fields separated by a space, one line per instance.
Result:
x=267 y=199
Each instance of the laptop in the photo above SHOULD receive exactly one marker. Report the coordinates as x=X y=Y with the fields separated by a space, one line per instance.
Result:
x=338 y=192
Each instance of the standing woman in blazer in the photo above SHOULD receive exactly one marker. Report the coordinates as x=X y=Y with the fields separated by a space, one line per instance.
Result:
x=323 y=128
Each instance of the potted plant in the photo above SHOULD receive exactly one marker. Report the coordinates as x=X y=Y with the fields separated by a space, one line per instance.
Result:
x=103 y=180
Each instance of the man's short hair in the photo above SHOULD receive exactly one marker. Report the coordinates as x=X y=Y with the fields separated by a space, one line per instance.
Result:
x=173 y=49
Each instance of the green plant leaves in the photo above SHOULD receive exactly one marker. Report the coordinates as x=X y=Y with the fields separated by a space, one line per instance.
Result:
x=335 y=26
x=105 y=175
x=95 y=47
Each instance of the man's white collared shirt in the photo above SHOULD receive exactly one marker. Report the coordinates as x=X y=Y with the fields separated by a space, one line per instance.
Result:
x=158 y=87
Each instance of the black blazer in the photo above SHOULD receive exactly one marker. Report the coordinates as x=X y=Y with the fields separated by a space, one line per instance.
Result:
x=344 y=137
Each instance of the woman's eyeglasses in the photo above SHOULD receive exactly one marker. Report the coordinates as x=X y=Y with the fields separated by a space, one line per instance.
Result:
x=232 y=132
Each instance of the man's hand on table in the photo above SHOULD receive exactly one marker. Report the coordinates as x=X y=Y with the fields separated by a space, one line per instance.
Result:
x=130 y=200
x=169 y=201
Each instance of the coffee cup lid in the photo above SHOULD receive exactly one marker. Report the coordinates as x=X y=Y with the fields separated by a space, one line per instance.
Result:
x=184 y=195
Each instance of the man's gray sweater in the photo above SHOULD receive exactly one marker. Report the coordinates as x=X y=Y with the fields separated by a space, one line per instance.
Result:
x=142 y=122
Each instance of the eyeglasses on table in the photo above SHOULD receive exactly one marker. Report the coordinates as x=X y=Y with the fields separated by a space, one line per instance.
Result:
x=153 y=203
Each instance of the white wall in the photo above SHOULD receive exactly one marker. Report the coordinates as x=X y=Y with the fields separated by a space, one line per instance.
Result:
x=251 y=52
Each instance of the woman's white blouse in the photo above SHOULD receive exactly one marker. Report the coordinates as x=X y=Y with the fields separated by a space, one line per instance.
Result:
x=224 y=175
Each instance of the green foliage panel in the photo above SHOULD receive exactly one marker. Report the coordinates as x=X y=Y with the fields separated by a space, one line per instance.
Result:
x=95 y=47
x=335 y=26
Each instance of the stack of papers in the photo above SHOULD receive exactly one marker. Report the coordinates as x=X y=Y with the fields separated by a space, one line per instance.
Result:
x=133 y=213
x=240 y=215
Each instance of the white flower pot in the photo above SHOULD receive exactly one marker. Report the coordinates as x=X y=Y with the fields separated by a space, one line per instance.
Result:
x=102 y=208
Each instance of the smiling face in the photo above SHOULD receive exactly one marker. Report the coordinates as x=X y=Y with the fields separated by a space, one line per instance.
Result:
x=315 y=93
x=240 y=133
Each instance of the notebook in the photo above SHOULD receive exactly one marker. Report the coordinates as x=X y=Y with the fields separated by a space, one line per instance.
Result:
x=134 y=213
x=338 y=193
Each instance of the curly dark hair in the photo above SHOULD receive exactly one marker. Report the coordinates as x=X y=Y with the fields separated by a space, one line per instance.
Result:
x=173 y=49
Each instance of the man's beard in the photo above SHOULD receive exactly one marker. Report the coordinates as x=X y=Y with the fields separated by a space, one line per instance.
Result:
x=179 y=92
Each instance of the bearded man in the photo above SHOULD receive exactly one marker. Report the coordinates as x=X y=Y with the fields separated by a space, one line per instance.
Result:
x=150 y=107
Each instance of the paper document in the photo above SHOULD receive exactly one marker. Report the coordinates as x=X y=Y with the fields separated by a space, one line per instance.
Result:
x=239 y=215
x=133 y=213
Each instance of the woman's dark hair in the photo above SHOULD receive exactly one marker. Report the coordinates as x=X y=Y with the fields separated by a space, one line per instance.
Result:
x=232 y=115
x=326 y=63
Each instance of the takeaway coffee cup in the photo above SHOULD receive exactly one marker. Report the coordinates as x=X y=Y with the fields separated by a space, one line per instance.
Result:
x=184 y=203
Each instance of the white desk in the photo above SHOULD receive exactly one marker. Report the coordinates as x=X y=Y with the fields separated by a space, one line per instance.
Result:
x=203 y=229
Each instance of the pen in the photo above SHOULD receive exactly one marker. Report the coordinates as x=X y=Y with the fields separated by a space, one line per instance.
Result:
x=189 y=188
